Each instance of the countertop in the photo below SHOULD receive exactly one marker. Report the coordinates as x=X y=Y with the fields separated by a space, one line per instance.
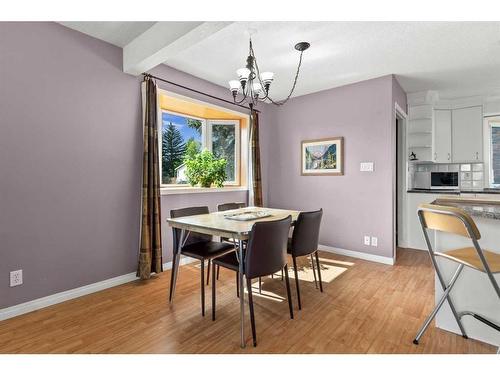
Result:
x=454 y=192
x=488 y=209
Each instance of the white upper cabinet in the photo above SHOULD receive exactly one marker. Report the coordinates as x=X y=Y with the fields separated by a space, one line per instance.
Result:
x=467 y=134
x=441 y=140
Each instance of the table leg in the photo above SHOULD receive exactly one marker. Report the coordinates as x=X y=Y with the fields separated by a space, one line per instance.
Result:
x=175 y=266
x=242 y=292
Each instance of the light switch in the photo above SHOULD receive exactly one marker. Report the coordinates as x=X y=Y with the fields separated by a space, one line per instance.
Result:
x=366 y=166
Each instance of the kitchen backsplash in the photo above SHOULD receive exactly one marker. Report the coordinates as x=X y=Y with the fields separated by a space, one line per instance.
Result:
x=471 y=176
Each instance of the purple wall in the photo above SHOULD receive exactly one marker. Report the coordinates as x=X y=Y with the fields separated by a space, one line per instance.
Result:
x=71 y=159
x=357 y=203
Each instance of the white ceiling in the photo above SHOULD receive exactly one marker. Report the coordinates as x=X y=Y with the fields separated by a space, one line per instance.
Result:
x=423 y=55
x=117 y=33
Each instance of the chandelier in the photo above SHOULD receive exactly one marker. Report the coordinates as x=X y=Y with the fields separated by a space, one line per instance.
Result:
x=253 y=86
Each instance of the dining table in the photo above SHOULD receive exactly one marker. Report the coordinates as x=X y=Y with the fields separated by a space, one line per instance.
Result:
x=228 y=224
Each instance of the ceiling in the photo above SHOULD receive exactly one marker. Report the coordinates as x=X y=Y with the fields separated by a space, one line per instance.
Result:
x=117 y=33
x=423 y=55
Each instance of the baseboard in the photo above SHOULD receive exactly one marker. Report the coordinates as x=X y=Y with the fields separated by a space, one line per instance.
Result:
x=357 y=254
x=40 y=303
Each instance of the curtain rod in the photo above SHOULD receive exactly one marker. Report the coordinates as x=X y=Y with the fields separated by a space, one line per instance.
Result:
x=196 y=91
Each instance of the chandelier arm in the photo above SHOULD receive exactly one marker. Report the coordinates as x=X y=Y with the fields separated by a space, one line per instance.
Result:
x=243 y=99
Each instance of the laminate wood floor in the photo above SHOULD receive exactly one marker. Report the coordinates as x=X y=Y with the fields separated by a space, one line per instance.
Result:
x=366 y=307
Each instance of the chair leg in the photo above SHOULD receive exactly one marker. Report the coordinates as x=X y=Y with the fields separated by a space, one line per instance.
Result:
x=288 y=292
x=444 y=297
x=213 y=291
x=218 y=270
x=296 y=281
x=314 y=272
x=319 y=273
x=203 y=287
x=281 y=275
x=238 y=284
x=260 y=285
x=252 y=316
x=208 y=270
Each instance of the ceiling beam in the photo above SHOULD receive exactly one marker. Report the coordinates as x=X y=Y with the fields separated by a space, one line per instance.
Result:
x=164 y=40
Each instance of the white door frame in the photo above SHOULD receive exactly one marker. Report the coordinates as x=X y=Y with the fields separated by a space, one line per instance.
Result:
x=403 y=116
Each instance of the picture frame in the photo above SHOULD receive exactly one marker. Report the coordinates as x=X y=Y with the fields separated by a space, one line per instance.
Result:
x=322 y=157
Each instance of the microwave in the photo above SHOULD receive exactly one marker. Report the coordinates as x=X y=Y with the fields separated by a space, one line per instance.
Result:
x=436 y=180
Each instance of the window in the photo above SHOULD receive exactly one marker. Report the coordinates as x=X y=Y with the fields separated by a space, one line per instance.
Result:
x=182 y=136
x=495 y=154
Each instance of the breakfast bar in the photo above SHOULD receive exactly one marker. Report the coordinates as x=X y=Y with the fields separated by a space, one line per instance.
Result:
x=473 y=291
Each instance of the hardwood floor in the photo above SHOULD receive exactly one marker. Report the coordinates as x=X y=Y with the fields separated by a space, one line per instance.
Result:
x=365 y=308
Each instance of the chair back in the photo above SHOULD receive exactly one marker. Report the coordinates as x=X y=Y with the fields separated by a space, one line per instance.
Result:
x=266 y=249
x=305 y=235
x=230 y=206
x=448 y=219
x=193 y=237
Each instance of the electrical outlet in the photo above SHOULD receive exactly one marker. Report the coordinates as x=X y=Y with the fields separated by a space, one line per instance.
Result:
x=16 y=278
x=367 y=240
x=374 y=241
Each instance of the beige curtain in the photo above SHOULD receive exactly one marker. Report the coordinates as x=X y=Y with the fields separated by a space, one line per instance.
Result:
x=255 y=198
x=150 y=253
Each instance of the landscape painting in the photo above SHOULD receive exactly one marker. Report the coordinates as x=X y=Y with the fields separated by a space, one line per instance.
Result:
x=323 y=157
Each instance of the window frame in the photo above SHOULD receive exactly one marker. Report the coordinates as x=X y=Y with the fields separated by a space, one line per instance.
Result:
x=242 y=146
x=237 y=150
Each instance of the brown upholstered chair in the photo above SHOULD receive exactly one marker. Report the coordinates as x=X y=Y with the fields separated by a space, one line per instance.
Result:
x=457 y=221
x=265 y=254
x=197 y=245
x=304 y=242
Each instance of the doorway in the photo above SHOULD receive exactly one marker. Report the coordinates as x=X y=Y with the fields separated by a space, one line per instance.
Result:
x=400 y=180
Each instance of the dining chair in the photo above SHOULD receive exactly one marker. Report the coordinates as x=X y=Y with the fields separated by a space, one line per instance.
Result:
x=198 y=246
x=456 y=221
x=265 y=254
x=304 y=242
x=226 y=207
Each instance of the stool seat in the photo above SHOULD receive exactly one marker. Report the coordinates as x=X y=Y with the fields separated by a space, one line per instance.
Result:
x=468 y=257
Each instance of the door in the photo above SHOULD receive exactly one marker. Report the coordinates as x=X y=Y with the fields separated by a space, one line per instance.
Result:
x=467 y=134
x=441 y=141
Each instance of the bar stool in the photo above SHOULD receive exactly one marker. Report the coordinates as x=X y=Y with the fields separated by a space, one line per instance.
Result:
x=456 y=221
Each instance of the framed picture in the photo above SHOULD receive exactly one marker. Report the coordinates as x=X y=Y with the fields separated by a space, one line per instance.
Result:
x=323 y=157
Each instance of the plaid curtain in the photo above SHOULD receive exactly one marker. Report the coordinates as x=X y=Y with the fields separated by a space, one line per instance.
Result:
x=256 y=179
x=150 y=253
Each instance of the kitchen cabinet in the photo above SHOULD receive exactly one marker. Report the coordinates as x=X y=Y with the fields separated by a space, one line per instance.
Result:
x=467 y=134
x=441 y=140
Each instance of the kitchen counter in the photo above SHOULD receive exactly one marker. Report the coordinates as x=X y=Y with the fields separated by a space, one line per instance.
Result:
x=473 y=291
x=455 y=192
x=484 y=208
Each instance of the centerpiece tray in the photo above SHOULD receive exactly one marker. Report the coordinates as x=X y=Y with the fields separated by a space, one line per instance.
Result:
x=247 y=215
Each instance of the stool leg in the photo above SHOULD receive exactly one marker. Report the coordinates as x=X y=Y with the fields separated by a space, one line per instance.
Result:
x=445 y=296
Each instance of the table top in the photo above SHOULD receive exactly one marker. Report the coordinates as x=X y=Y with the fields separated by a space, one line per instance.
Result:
x=217 y=224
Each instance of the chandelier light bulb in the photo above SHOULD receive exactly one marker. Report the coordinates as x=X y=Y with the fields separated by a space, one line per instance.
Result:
x=234 y=85
x=267 y=77
x=243 y=74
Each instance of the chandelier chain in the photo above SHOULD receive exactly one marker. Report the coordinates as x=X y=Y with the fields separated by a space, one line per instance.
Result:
x=279 y=103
